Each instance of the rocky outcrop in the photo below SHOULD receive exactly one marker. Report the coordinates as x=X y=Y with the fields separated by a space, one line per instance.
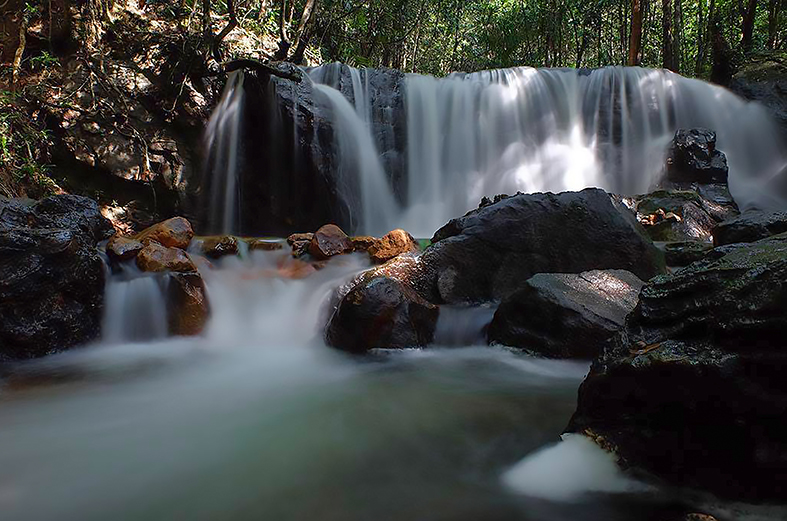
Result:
x=381 y=312
x=692 y=389
x=763 y=78
x=51 y=274
x=490 y=252
x=750 y=226
x=561 y=315
x=693 y=157
x=328 y=241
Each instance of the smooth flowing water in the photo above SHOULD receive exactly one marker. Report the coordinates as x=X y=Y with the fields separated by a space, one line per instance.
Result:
x=258 y=419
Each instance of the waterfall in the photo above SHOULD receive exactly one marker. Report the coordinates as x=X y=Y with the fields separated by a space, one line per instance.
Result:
x=222 y=141
x=414 y=151
x=135 y=307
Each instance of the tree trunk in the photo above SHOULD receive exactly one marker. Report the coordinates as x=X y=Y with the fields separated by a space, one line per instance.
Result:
x=263 y=10
x=11 y=19
x=721 y=72
x=284 y=42
x=700 y=39
x=748 y=24
x=773 y=23
x=678 y=35
x=309 y=10
x=667 y=42
x=635 y=38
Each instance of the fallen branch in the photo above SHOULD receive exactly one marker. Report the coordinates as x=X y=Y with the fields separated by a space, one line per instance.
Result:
x=260 y=67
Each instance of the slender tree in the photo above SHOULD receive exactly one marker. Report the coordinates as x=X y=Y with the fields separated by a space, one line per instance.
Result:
x=667 y=42
x=748 y=24
x=635 y=37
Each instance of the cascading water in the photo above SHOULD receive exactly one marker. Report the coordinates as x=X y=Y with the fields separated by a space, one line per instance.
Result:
x=414 y=151
x=222 y=140
x=135 y=308
x=538 y=130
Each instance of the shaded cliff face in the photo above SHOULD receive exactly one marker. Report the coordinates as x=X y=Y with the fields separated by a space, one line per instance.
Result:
x=286 y=163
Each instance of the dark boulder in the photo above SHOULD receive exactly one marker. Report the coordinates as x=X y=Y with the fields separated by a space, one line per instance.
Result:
x=750 y=226
x=217 y=246
x=679 y=254
x=490 y=252
x=693 y=157
x=563 y=315
x=51 y=274
x=693 y=389
x=381 y=310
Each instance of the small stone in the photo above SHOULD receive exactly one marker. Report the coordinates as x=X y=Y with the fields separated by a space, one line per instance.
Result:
x=299 y=237
x=156 y=258
x=123 y=248
x=264 y=245
x=392 y=244
x=172 y=233
x=328 y=241
x=219 y=246
x=300 y=248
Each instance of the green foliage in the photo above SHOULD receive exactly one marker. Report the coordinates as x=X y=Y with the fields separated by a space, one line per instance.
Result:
x=23 y=147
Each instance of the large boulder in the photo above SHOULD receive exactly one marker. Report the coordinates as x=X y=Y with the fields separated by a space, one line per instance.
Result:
x=693 y=157
x=564 y=315
x=51 y=274
x=692 y=390
x=157 y=258
x=381 y=309
x=750 y=226
x=490 y=252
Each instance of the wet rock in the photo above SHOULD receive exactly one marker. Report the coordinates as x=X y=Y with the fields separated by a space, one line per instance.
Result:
x=172 y=233
x=381 y=312
x=264 y=245
x=299 y=237
x=51 y=274
x=300 y=243
x=363 y=243
x=490 y=252
x=328 y=241
x=392 y=244
x=750 y=226
x=187 y=305
x=679 y=254
x=675 y=215
x=123 y=248
x=157 y=258
x=763 y=78
x=693 y=157
x=562 y=315
x=219 y=246
x=691 y=390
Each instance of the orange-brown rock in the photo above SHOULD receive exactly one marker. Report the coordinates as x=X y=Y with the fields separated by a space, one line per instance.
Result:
x=219 y=245
x=392 y=244
x=187 y=306
x=363 y=242
x=155 y=258
x=123 y=248
x=328 y=241
x=173 y=233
